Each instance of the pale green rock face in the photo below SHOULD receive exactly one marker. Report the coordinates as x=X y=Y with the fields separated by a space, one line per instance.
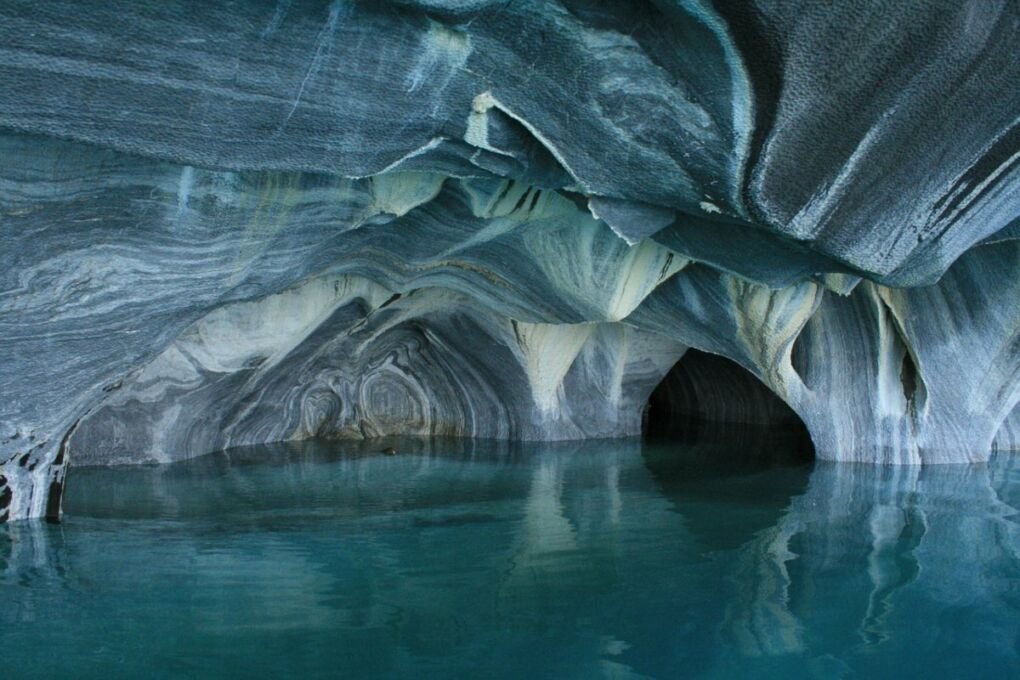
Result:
x=235 y=223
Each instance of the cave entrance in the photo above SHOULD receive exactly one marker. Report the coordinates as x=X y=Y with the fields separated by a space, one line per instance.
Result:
x=722 y=410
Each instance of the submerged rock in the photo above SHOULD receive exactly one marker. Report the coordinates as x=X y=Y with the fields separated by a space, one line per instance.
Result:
x=227 y=224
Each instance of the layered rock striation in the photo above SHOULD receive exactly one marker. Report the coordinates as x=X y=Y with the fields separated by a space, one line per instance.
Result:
x=232 y=223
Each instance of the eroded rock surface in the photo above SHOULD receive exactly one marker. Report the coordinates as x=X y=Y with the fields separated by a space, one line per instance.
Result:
x=232 y=223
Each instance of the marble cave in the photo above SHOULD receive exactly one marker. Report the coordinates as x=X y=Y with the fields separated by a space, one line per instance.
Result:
x=235 y=223
x=238 y=223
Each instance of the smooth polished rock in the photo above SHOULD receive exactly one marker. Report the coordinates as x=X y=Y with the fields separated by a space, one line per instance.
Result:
x=227 y=223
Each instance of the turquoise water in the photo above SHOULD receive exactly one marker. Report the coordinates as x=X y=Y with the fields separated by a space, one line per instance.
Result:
x=478 y=559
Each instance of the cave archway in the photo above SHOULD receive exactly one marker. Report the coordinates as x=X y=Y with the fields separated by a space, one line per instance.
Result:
x=716 y=434
x=713 y=403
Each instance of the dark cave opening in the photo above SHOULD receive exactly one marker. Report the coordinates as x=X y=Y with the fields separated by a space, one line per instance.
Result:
x=719 y=408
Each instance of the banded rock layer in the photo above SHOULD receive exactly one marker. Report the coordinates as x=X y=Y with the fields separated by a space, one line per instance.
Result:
x=231 y=223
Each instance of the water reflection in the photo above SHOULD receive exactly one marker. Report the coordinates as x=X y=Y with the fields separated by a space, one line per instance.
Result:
x=757 y=469
x=913 y=555
x=482 y=558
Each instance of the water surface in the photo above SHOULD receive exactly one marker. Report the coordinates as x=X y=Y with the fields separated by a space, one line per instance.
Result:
x=481 y=559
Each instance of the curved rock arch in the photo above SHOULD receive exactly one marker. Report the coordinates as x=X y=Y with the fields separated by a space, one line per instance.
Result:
x=824 y=195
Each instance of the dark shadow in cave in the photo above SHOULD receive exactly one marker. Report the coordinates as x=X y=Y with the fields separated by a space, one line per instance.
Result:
x=715 y=434
x=708 y=400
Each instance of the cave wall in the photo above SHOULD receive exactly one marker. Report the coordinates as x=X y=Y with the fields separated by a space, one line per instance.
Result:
x=228 y=223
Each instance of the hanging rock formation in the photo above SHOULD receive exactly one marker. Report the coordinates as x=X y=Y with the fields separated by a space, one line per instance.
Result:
x=226 y=223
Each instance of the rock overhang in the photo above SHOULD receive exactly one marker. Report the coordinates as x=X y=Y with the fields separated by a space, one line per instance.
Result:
x=233 y=224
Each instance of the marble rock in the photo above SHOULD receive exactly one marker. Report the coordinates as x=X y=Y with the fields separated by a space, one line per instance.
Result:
x=231 y=223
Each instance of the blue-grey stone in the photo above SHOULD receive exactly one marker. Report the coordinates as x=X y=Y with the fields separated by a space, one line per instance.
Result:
x=229 y=223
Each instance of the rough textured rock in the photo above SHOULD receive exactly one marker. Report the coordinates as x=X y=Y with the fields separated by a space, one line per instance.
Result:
x=226 y=223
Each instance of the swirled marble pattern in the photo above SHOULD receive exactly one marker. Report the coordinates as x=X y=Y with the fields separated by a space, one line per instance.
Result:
x=229 y=223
